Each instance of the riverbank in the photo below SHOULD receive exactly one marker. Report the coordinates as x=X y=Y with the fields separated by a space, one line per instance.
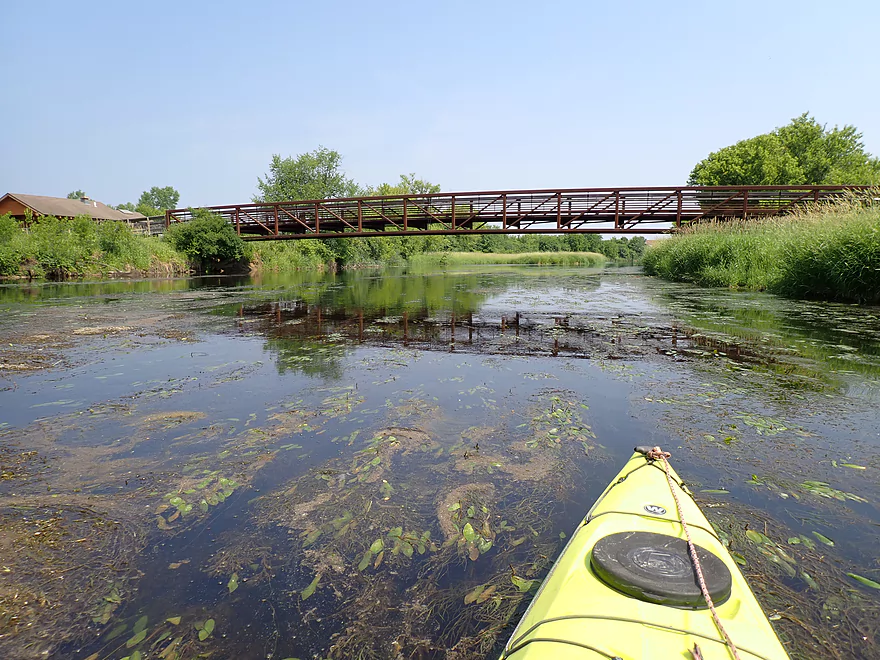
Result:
x=829 y=252
x=59 y=249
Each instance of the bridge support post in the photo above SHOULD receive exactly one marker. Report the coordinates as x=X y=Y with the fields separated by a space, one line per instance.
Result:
x=559 y=210
x=405 y=217
x=745 y=203
x=453 y=212
x=616 y=210
x=276 y=220
x=360 y=216
x=504 y=210
x=317 y=218
x=678 y=210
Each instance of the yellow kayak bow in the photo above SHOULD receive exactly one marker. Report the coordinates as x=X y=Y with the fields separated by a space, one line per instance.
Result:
x=625 y=586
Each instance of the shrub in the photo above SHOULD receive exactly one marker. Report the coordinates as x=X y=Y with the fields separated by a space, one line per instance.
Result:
x=208 y=240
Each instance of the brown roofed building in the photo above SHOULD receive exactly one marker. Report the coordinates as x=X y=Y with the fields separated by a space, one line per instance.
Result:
x=18 y=206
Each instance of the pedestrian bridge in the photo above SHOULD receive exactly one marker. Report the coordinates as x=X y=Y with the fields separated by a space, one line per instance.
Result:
x=556 y=211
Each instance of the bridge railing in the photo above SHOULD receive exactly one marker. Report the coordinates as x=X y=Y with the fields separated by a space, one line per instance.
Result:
x=606 y=210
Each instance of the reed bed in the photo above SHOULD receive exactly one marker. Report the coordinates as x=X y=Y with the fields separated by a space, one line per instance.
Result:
x=828 y=251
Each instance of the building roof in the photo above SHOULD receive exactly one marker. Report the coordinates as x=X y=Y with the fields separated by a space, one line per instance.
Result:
x=62 y=207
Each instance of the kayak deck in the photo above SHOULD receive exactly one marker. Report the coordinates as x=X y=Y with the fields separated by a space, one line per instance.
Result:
x=577 y=615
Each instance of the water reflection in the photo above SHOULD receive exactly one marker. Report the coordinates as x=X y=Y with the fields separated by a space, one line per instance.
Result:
x=360 y=464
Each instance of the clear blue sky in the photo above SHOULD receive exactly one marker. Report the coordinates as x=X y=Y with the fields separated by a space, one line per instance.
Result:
x=116 y=97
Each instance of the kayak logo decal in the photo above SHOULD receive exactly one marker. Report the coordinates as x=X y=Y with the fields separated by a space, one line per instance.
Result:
x=655 y=509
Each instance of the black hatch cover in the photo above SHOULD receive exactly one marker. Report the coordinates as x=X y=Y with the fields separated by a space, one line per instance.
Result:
x=657 y=568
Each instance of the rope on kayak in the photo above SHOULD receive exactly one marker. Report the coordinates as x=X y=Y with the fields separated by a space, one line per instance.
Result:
x=657 y=454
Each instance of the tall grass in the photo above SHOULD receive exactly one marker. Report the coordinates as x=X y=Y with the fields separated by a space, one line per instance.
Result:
x=828 y=251
x=433 y=259
x=59 y=248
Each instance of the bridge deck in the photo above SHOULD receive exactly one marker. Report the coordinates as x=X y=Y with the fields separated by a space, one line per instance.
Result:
x=586 y=210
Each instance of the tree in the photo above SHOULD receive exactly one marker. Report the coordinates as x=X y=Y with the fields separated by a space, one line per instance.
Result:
x=156 y=200
x=313 y=175
x=801 y=152
x=408 y=185
x=758 y=161
x=208 y=240
x=76 y=194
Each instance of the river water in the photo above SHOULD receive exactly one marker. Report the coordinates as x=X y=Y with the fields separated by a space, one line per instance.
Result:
x=385 y=464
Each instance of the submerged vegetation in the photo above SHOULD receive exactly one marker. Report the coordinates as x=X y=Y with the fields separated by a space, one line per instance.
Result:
x=346 y=465
x=829 y=251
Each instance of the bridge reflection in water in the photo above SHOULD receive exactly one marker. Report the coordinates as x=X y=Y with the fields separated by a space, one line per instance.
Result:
x=649 y=210
x=308 y=333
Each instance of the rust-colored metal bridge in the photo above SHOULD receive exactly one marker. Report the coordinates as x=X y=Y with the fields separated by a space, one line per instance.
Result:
x=570 y=210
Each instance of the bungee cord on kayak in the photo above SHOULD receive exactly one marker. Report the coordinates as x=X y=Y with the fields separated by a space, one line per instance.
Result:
x=657 y=454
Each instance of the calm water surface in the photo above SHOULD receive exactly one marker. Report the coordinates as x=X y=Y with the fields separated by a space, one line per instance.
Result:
x=382 y=465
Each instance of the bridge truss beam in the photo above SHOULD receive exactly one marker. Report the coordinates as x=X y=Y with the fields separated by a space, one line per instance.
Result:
x=572 y=210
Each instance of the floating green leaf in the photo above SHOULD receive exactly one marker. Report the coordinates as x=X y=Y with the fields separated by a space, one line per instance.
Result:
x=521 y=583
x=365 y=560
x=469 y=533
x=233 y=583
x=865 y=581
x=377 y=547
x=116 y=632
x=824 y=539
x=140 y=624
x=455 y=506
x=757 y=537
x=473 y=595
x=822 y=489
x=206 y=630
x=137 y=639
x=309 y=590
x=173 y=620
x=809 y=580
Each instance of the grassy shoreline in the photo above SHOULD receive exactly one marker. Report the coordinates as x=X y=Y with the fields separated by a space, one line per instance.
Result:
x=59 y=249
x=827 y=252
x=440 y=259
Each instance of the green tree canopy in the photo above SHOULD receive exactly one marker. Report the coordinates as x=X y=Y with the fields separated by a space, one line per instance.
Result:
x=408 y=185
x=154 y=201
x=313 y=175
x=802 y=152
x=76 y=194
